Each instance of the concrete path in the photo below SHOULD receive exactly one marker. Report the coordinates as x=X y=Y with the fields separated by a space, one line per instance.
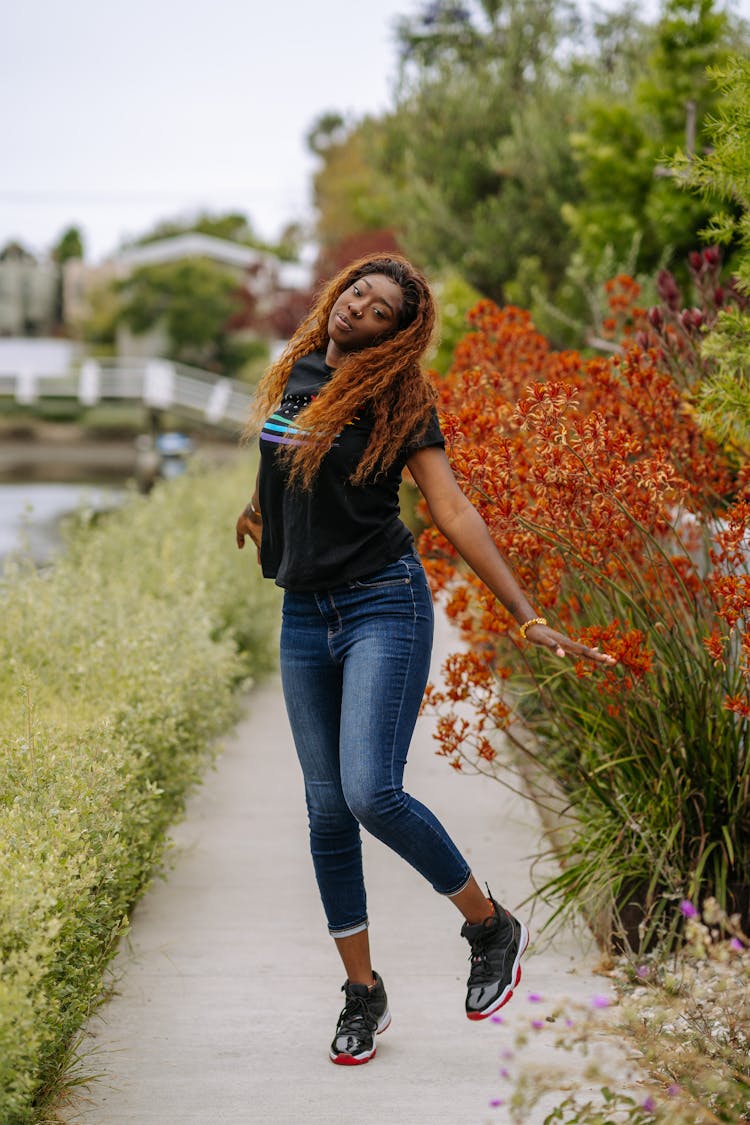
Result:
x=229 y=985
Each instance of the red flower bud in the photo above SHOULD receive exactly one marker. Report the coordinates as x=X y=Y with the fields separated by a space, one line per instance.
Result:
x=666 y=287
x=718 y=296
x=712 y=255
x=690 y=319
x=655 y=317
x=696 y=259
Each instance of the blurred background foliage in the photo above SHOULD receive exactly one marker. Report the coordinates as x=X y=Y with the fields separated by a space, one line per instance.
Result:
x=529 y=149
x=532 y=150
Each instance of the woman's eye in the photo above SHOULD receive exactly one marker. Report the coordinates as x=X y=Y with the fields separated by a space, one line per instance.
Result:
x=380 y=313
x=356 y=290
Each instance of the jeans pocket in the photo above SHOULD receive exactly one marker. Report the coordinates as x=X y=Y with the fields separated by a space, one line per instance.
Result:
x=394 y=574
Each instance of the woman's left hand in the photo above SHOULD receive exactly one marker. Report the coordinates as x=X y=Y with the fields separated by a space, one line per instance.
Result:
x=561 y=645
x=249 y=524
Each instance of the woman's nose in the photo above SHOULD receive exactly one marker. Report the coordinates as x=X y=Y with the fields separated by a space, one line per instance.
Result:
x=355 y=309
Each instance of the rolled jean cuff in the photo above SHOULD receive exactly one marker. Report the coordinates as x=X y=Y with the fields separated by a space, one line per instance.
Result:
x=350 y=931
x=459 y=888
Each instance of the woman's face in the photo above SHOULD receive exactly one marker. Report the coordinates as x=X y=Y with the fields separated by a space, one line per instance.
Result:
x=364 y=313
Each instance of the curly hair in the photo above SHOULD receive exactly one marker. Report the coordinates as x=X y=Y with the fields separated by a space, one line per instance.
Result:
x=384 y=378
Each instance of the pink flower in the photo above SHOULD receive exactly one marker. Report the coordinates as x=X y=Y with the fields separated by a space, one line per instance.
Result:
x=736 y=945
x=537 y=1024
x=687 y=908
x=504 y=1072
x=642 y=972
x=535 y=998
x=496 y=1019
x=648 y=1104
x=496 y=1102
x=600 y=1001
x=673 y=1090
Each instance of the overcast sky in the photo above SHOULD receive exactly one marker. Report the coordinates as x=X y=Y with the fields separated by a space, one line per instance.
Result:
x=115 y=115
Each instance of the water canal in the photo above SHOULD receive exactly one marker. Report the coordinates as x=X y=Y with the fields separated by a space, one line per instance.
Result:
x=32 y=513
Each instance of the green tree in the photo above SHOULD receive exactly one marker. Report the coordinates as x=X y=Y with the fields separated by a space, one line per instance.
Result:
x=477 y=146
x=455 y=297
x=327 y=130
x=99 y=325
x=69 y=245
x=14 y=251
x=628 y=192
x=723 y=175
x=351 y=195
x=193 y=299
x=233 y=226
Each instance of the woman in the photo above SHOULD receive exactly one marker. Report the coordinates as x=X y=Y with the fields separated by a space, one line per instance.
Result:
x=340 y=415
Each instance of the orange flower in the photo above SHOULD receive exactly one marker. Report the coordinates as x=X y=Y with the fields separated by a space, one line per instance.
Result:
x=585 y=472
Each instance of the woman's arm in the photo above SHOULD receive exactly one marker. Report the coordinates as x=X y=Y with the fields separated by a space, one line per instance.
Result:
x=462 y=524
x=250 y=522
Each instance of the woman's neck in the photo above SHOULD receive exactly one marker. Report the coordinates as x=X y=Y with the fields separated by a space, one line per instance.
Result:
x=333 y=354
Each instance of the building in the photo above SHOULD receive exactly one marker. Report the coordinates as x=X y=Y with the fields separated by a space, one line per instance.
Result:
x=274 y=288
x=30 y=296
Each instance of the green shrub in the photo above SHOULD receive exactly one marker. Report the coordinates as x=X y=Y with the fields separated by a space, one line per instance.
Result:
x=117 y=670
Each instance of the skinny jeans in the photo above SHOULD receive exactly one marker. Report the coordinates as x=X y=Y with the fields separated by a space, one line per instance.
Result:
x=354 y=665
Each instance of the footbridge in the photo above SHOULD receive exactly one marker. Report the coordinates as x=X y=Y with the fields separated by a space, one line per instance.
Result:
x=158 y=384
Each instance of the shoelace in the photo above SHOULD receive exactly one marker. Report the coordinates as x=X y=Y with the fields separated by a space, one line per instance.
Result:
x=480 y=968
x=356 y=1016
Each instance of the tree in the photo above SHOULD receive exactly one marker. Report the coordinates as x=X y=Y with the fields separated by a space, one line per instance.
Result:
x=723 y=175
x=477 y=146
x=355 y=202
x=627 y=191
x=328 y=129
x=194 y=300
x=14 y=251
x=233 y=226
x=68 y=246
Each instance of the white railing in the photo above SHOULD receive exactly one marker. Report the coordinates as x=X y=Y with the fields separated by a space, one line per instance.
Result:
x=157 y=383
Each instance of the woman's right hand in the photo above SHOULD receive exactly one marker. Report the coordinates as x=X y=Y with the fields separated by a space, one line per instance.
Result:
x=250 y=523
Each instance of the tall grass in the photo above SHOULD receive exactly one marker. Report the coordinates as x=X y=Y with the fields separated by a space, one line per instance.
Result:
x=118 y=668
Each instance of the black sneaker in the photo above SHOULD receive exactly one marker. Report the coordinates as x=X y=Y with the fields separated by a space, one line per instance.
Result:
x=364 y=1015
x=497 y=945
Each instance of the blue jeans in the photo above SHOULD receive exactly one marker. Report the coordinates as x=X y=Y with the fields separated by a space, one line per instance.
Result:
x=354 y=664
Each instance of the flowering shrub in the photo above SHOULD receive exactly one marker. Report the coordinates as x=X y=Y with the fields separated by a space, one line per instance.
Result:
x=686 y=1017
x=117 y=669
x=600 y=488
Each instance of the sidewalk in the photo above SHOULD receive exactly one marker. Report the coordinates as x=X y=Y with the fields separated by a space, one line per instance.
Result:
x=229 y=984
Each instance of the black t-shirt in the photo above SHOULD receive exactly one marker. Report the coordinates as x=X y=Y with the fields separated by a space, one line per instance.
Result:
x=334 y=532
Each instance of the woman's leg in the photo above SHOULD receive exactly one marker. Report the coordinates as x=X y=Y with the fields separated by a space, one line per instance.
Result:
x=387 y=649
x=354 y=952
x=312 y=684
x=384 y=645
x=473 y=902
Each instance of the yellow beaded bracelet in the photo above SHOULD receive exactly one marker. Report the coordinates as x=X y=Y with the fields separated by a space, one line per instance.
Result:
x=533 y=621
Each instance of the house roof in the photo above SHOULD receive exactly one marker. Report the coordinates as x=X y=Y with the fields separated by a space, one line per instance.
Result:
x=288 y=275
x=192 y=245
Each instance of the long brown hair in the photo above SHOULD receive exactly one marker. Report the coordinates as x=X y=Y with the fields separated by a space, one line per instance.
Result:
x=386 y=377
